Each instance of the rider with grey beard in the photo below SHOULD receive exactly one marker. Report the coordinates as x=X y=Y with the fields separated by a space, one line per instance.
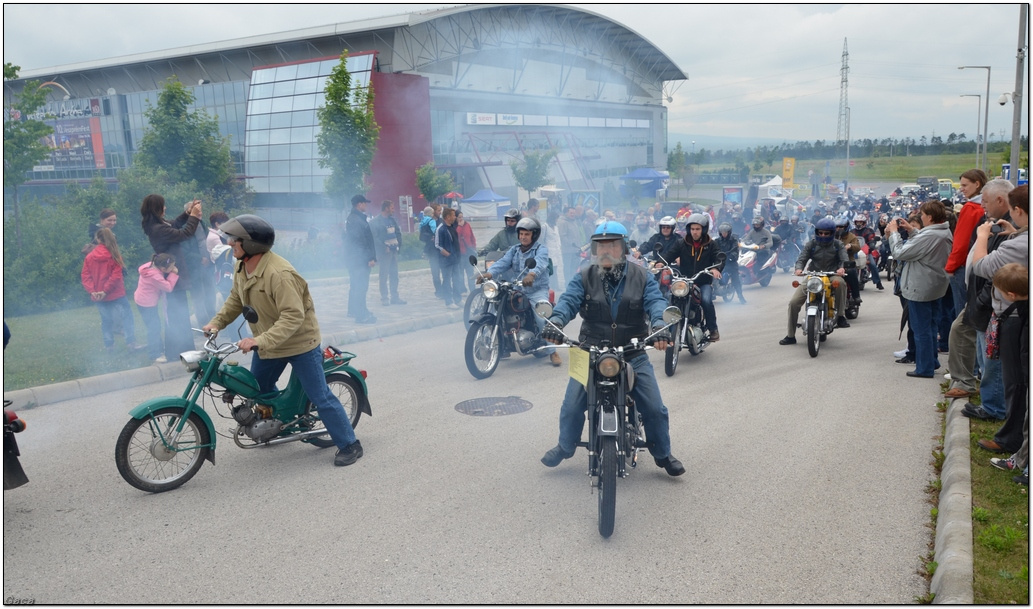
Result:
x=614 y=299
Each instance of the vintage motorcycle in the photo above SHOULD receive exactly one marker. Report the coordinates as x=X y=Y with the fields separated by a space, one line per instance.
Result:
x=505 y=324
x=748 y=273
x=475 y=302
x=14 y=475
x=690 y=332
x=821 y=308
x=615 y=434
x=168 y=438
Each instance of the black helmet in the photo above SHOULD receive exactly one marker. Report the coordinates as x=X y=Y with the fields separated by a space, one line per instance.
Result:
x=532 y=225
x=758 y=220
x=256 y=236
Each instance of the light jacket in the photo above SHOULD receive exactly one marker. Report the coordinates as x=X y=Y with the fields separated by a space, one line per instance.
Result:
x=100 y=273
x=1015 y=249
x=510 y=267
x=287 y=322
x=152 y=283
x=925 y=254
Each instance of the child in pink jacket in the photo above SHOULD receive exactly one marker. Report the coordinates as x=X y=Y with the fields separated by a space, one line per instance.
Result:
x=157 y=276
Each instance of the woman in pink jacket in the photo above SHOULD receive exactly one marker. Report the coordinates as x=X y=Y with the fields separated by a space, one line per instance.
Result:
x=102 y=278
x=156 y=277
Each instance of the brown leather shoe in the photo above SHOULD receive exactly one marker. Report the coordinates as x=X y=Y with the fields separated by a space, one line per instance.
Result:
x=957 y=392
x=993 y=447
x=555 y=359
x=715 y=336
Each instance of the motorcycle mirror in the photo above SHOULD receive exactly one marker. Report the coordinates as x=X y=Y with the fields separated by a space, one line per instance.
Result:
x=672 y=315
x=632 y=243
x=543 y=309
x=657 y=247
x=721 y=257
x=531 y=263
x=250 y=314
x=473 y=260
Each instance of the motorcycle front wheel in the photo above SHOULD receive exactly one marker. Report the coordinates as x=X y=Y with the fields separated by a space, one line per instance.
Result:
x=474 y=306
x=352 y=399
x=672 y=352
x=145 y=461
x=483 y=344
x=766 y=279
x=607 y=486
x=813 y=335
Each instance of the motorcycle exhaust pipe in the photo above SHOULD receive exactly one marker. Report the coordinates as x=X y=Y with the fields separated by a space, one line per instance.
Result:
x=292 y=438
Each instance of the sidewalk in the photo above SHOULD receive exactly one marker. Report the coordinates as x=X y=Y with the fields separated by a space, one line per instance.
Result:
x=422 y=310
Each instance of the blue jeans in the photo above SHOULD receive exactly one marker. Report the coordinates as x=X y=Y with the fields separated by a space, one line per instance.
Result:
x=707 y=293
x=922 y=319
x=647 y=397
x=108 y=311
x=991 y=381
x=944 y=318
x=152 y=321
x=534 y=298
x=874 y=270
x=308 y=367
x=958 y=293
x=452 y=283
x=358 y=279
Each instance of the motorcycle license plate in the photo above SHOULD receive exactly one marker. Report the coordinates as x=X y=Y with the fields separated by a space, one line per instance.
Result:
x=577 y=367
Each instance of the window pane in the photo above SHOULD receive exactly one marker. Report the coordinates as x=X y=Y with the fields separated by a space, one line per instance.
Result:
x=261 y=76
x=261 y=91
x=280 y=120
x=301 y=168
x=257 y=153
x=279 y=136
x=305 y=86
x=279 y=168
x=260 y=106
x=325 y=67
x=305 y=102
x=301 y=184
x=279 y=153
x=257 y=168
x=259 y=121
x=286 y=73
x=307 y=70
x=283 y=88
x=301 y=135
x=260 y=184
x=303 y=151
x=257 y=138
x=279 y=184
x=282 y=104
x=303 y=118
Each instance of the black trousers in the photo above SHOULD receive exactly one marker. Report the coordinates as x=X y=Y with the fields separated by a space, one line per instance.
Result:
x=1016 y=383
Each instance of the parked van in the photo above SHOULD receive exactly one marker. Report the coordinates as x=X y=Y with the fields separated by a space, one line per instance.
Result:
x=945 y=189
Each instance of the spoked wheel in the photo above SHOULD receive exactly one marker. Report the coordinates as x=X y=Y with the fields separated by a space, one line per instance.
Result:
x=482 y=349
x=813 y=335
x=607 y=486
x=474 y=306
x=151 y=457
x=352 y=398
x=672 y=352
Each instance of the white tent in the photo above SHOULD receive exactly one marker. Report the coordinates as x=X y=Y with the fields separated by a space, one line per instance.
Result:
x=774 y=186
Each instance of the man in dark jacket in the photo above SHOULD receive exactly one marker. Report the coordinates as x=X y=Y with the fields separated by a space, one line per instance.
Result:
x=446 y=240
x=693 y=254
x=360 y=256
x=615 y=299
x=388 y=237
x=825 y=253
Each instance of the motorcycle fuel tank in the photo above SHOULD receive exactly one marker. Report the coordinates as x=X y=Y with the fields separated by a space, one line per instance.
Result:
x=238 y=379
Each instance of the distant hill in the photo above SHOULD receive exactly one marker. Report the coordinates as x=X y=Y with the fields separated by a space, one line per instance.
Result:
x=713 y=142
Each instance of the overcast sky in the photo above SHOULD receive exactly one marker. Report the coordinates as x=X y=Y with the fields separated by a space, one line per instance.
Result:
x=756 y=71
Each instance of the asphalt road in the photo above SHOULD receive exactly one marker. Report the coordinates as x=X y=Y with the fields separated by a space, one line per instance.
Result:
x=806 y=484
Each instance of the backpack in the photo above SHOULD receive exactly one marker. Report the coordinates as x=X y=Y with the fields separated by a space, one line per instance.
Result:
x=426 y=234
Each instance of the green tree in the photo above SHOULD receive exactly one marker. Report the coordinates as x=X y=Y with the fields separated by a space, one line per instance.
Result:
x=433 y=183
x=533 y=172
x=677 y=161
x=23 y=140
x=184 y=144
x=348 y=133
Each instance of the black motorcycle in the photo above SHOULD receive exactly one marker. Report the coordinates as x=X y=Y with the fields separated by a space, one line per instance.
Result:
x=504 y=324
x=14 y=475
x=690 y=332
x=615 y=434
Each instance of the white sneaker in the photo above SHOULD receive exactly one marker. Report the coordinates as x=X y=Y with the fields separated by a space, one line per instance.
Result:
x=161 y=360
x=947 y=376
x=899 y=354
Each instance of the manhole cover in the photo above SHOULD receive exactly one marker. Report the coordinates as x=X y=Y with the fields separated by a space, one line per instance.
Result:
x=493 y=407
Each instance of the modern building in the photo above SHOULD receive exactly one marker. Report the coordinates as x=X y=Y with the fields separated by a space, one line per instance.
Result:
x=470 y=89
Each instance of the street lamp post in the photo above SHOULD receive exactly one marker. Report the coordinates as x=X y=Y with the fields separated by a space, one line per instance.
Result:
x=979 y=112
x=986 y=114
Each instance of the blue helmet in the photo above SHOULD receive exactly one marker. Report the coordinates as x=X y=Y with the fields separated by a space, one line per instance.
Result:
x=609 y=231
x=825 y=224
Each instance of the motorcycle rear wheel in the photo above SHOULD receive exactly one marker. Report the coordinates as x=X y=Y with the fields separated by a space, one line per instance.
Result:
x=481 y=358
x=607 y=486
x=672 y=352
x=813 y=335
x=766 y=279
x=474 y=306
x=145 y=463
x=352 y=399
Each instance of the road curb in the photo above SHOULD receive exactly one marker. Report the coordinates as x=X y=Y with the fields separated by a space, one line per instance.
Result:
x=952 y=582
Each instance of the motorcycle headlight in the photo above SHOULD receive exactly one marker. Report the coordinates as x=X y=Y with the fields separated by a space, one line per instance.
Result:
x=608 y=366
x=680 y=288
x=490 y=289
x=191 y=359
x=815 y=285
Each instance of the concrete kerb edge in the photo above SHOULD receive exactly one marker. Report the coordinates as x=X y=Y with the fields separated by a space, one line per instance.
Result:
x=952 y=582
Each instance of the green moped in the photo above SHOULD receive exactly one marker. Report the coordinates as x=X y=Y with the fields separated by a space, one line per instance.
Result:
x=168 y=438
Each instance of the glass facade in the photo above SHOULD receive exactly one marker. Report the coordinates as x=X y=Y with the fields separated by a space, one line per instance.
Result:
x=282 y=123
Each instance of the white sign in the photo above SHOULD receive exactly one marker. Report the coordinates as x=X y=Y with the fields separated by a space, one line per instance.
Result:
x=510 y=119
x=477 y=118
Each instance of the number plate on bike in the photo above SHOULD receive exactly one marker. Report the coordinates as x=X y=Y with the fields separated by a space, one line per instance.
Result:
x=578 y=366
